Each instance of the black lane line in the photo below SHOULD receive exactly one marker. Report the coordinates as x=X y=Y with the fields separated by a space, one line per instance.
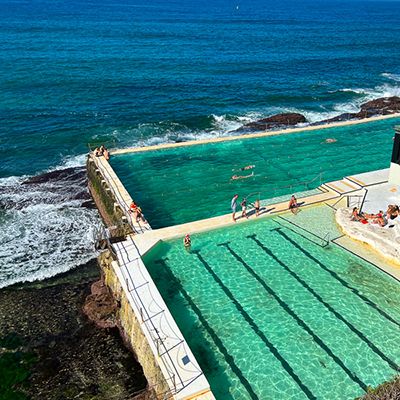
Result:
x=337 y=277
x=256 y=329
x=299 y=321
x=391 y=363
x=228 y=358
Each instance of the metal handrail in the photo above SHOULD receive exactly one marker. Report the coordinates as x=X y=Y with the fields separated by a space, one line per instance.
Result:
x=350 y=196
x=364 y=198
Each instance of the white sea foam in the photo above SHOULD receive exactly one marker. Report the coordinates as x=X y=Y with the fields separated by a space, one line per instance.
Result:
x=393 y=77
x=44 y=229
x=384 y=90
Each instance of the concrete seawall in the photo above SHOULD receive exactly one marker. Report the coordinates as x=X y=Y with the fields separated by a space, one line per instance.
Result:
x=131 y=331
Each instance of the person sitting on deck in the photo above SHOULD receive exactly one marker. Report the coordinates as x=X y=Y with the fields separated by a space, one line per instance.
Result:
x=355 y=216
x=293 y=206
x=392 y=212
x=97 y=152
x=133 y=207
x=139 y=215
x=106 y=154
x=380 y=219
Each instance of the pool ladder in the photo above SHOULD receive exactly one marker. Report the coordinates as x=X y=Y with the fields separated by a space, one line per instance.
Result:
x=326 y=239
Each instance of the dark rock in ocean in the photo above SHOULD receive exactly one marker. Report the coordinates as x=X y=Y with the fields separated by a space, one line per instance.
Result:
x=55 y=187
x=381 y=106
x=275 y=121
x=66 y=174
x=338 y=118
x=89 y=204
x=373 y=108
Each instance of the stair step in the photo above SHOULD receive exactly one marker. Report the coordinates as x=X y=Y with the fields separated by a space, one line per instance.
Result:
x=342 y=186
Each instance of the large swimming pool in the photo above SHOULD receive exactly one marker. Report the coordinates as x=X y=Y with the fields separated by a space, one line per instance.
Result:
x=272 y=312
x=184 y=184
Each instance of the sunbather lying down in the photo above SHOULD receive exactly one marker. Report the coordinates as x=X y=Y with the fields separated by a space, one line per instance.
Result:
x=381 y=218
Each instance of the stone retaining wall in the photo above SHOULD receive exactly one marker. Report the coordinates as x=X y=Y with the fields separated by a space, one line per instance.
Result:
x=131 y=330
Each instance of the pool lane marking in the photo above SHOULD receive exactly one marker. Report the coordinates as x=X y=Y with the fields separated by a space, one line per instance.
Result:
x=256 y=329
x=375 y=349
x=337 y=277
x=218 y=342
x=293 y=314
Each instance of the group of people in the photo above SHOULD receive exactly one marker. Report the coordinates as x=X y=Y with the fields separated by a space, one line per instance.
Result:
x=293 y=206
x=243 y=205
x=381 y=218
x=102 y=151
x=137 y=212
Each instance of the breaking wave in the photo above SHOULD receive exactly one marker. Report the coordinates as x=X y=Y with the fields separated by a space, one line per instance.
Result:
x=393 y=77
x=228 y=124
x=47 y=224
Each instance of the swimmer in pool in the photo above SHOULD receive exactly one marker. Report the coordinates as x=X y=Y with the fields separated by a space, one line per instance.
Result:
x=236 y=177
x=187 y=242
x=247 y=167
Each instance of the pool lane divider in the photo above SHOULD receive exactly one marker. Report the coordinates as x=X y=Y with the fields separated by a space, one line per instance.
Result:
x=338 y=316
x=218 y=342
x=293 y=314
x=256 y=329
x=366 y=300
x=300 y=234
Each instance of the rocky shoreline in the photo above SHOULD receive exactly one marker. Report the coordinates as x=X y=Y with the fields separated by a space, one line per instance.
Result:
x=373 y=108
x=54 y=351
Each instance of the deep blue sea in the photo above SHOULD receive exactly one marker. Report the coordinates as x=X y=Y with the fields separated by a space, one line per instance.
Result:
x=141 y=72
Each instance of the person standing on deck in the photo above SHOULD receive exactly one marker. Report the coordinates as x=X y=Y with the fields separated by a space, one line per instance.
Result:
x=257 y=207
x=234 y=206
x=243 y=204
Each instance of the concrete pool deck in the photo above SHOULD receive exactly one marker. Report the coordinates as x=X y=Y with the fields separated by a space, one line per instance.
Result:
x=252 y=135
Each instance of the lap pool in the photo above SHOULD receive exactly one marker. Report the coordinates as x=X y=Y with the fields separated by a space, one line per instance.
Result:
x=273 y=312
x=184 y=184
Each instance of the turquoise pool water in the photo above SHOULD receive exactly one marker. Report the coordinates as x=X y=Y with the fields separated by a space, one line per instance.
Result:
x=180 y=185
x=272 y=313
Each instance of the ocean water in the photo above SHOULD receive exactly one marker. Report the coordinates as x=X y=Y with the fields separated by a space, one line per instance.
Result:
x=141 y=72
